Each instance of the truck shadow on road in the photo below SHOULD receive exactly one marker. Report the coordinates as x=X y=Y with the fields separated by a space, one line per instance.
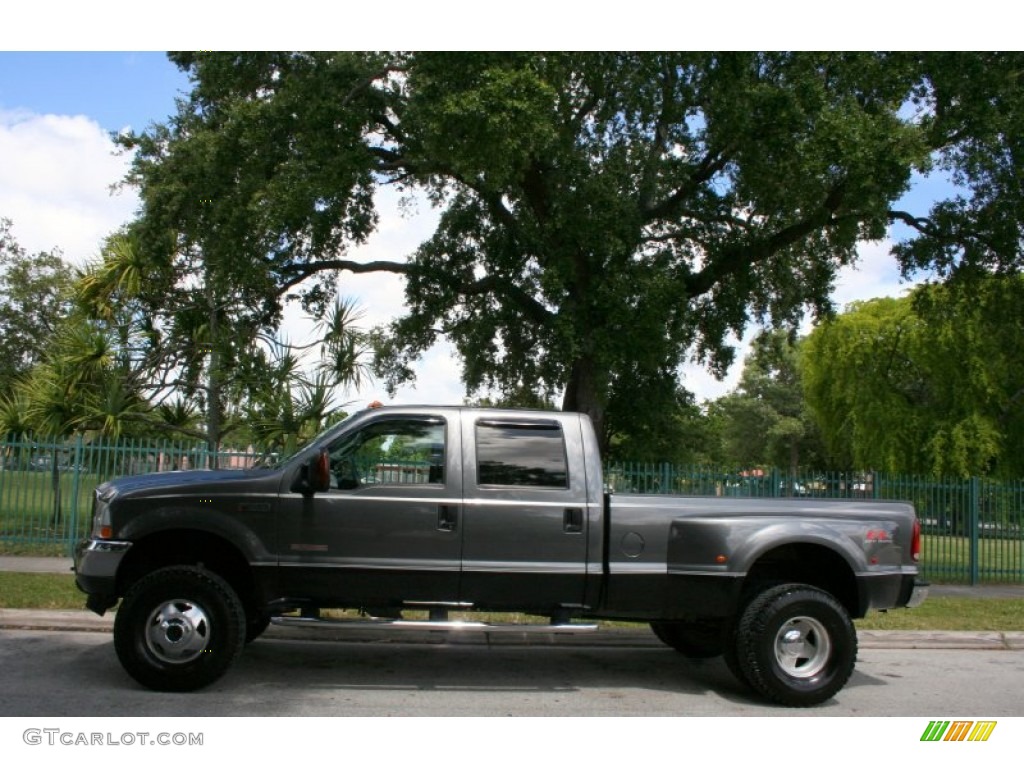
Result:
x=73 y=674
x=657 y=676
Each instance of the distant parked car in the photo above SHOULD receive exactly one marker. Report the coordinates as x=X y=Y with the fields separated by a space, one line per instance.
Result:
x=796 y=488
x=40 y=464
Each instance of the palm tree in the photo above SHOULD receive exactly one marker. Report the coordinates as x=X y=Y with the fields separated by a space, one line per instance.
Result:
x=14 y=425
x=286 y=408
x=119 y=274
x=113 y=408
x=344 y=344
x=52 y=410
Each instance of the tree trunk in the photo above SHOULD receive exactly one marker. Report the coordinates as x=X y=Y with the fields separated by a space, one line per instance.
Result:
x=582 y=394
x=794 y=458
x=213 y=400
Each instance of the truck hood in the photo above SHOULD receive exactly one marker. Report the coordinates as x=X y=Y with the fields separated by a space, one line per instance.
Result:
x=179 y=481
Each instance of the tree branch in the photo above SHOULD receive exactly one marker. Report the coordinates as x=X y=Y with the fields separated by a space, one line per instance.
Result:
x=659 y=143
x=735 y=258
x=300 y=272
x=712 y=163
x=536 y=311
x=922 y=225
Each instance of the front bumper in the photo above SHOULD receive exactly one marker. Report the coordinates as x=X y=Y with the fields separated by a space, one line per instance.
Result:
x=96 y=564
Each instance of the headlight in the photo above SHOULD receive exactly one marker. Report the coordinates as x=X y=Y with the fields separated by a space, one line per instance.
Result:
x=101 y=522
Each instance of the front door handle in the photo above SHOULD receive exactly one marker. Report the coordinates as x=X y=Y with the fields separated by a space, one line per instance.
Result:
x=572 y=520
x=447 y=517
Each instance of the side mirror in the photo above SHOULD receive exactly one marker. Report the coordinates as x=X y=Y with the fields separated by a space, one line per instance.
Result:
x=315 y=475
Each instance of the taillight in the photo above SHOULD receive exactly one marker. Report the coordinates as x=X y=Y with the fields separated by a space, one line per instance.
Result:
x=915 y=541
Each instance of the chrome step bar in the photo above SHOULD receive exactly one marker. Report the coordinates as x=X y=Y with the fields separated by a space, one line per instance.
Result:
x=431 y=626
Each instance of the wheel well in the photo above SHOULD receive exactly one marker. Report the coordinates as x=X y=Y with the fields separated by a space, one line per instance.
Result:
x=810 y=564
x=188 y=547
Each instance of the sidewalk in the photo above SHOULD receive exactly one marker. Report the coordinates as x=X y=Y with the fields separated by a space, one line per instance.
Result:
x=20 y=564
x=85 y=621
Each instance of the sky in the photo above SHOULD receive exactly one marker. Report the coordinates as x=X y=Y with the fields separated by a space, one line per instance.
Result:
x=59 y=173
x=59 y=169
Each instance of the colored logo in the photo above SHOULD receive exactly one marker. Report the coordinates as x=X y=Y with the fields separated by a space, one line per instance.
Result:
x=958 y=730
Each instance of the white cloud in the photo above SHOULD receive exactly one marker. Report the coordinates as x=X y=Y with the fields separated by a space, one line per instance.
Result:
x=875 y=274
x=56 y=173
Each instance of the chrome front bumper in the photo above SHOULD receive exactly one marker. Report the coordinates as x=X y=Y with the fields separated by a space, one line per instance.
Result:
x=99 y=558
x=96 y=564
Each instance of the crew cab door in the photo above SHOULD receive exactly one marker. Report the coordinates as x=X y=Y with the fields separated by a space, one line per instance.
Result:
x=525 y=512
x=388 y=528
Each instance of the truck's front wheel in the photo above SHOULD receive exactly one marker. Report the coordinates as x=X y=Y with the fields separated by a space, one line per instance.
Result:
x=179 y=629
x=796 y=645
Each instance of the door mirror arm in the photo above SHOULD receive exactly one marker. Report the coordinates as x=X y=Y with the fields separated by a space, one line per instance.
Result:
x=314 y=475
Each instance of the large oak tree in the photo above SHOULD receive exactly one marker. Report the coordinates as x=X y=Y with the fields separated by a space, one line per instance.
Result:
x=603 y=216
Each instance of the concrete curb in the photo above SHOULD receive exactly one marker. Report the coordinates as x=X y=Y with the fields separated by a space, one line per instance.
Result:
x=85 y=621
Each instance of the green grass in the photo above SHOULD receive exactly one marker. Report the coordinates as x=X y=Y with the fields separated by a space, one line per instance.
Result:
x=58 y=591
x=953 y=614
x=35 y=548
x=54 y=591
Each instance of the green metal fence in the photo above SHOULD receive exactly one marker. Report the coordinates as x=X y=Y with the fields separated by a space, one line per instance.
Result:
x=46 y=486
x=974 y=528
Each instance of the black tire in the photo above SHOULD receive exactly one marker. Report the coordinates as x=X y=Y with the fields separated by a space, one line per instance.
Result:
x=796 y=645
x=731 y=656
x=694 y=640
x=179 y=629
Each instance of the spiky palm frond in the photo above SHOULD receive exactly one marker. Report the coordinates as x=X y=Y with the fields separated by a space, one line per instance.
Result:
x=113 y=409
x=345 y=345
x=51 y=410
x=14 y=422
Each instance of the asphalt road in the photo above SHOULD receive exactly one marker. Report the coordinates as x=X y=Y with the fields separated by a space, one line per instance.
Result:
x=64 y=674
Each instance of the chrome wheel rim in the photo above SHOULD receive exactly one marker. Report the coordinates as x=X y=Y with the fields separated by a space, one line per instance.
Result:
x=802 y=647
x=177 y=631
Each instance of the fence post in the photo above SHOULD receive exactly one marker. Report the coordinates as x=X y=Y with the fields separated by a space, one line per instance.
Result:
x=974 y=523
x=76 y=469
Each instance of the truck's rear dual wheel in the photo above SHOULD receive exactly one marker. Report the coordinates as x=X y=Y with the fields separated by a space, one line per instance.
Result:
x=795 y=644
x=179 y=629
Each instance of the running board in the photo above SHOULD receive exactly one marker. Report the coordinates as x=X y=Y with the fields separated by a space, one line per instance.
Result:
x=445 y=626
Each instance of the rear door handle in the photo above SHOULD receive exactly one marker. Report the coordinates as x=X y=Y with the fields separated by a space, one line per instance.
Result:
x=572 y=520
x=447 y=517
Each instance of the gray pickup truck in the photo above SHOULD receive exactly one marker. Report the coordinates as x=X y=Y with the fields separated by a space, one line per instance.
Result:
x=404 y=512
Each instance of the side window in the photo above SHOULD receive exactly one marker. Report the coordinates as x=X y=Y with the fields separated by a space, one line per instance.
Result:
x=390 y=452
x=521 y=454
